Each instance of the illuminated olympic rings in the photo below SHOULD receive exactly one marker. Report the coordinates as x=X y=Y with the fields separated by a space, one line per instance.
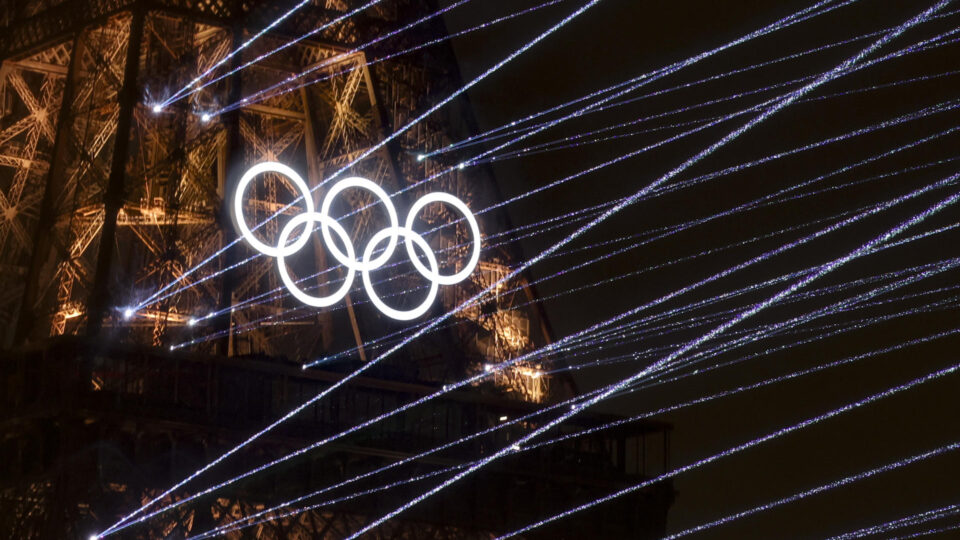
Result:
x=330 y=228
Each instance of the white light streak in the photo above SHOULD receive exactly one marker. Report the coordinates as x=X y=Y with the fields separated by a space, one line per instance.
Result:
x=737 y=449
x=194 y=86
x=817 y=490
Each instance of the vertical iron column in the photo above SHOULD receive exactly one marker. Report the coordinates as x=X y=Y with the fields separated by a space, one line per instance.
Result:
x=47 y=215
x=100 y=298
x=233 y=169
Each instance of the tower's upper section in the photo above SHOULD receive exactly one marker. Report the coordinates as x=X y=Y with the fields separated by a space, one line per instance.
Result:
x=125 y=126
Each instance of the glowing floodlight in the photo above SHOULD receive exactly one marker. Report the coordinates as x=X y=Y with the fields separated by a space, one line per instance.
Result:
x=128 y=313
x=366 y=262
x=421 y=157
x=205 y=117
x=157 y=108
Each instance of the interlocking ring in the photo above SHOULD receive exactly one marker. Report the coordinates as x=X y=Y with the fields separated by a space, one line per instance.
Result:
x=367 y=261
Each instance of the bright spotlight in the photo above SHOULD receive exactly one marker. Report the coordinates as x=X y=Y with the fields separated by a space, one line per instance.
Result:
x=128 y=313
x=157 y=108
x=421 y=157
x=191 y=321
x=205 y=117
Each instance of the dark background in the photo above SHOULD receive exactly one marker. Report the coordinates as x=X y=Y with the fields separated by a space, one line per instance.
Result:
x=620 y=39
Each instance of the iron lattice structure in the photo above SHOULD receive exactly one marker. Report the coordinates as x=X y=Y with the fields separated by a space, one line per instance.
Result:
x=103 y=201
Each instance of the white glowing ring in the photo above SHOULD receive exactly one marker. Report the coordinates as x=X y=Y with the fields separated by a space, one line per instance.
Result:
x=301 y=185
x=367 y=263
x=308 y=219
x=351 y=262
x=474 y=230
x=397 y=314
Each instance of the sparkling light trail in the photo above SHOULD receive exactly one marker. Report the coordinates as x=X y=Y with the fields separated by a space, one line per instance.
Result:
x=284 y=87
x=574 y=141
x=737 y=449
x=753 y=335
x=942 y=107
x=800 y=16
x=900 y=523
x=194 y=86
x=834 y=308
x=819 y=489
x=254 y=98
x=925 y=45
x=928 y=532
x=947 y=304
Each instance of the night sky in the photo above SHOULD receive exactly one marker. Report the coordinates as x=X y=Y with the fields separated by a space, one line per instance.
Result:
x=620 y=39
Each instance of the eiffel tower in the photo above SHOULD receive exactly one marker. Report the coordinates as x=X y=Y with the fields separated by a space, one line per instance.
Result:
x=104 y=201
